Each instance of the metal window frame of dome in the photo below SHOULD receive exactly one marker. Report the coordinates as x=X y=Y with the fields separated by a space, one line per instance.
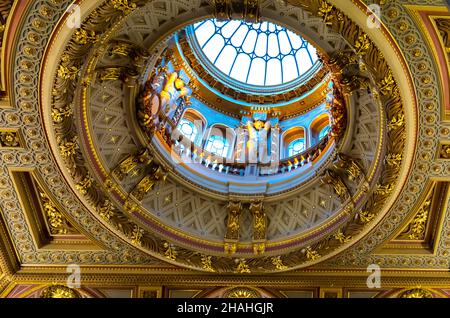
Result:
x=241 y=86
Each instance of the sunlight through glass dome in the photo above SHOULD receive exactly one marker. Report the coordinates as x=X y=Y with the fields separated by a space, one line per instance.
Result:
x=262 y=54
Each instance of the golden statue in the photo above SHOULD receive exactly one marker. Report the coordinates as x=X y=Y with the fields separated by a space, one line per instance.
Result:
x=174 y=89
x=257 y=141
x=335 y=181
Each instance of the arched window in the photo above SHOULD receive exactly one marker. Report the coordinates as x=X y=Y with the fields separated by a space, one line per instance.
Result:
x=218 y=145
x=192 y=126
x=188 y=129
x=294 y=142
x=319 y=128
x=324 y=132
x=296 y=147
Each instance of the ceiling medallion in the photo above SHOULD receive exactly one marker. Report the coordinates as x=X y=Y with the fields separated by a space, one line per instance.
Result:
x=116 y=195
x=416 y=293
x=241 y=292
x=59 y=291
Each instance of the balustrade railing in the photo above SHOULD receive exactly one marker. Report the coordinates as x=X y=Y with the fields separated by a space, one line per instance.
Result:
x=192 y=153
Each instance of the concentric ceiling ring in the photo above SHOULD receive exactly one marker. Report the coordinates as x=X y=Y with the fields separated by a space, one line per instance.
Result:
x=175 y=250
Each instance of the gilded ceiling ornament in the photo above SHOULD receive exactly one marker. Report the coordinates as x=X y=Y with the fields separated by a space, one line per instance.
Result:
x=234 y=210
x=350 y=166
x=416 y=229
x=207 y=263
x=121 y=49
x=443 y=26
x=109 y=184
x=59 y=291
x=338 y=114
x=170 y=251
x=59 y=114
x=230 y=247
x=9 y=139
x=68 y=148
x=158 y=174
x=394 y=160
x=130 y=206
x=110 y=74
x=56 y=221
x=445 y=152
x=125 y=6
x=83 y=36
x=384 y=189
x=84 y=185
x=278 y=262
x=129 y=164
x=362 y=44
x=366 y=216
x=311 y=254
x=106 y=209
x=340 y=61
x=397 y=122
x=68 y=72
x=335 y=181
x=242 y=292
x=386 y=85
x=222 y=9
x=342 y=238
x=351 y=83
x=417 y=293
x=136 y=235
x=251 y=11
x=325 y=12
x=242 y=267
x=259 y=226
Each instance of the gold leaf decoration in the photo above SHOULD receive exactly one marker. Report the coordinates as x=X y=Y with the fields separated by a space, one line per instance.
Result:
x=279 y=263
x=59 y=291
x=242 y=267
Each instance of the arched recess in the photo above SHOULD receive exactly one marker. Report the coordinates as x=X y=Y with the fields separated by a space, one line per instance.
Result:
x=290 y=136
x=198 y=123
x=317 y=125
x=215 y=134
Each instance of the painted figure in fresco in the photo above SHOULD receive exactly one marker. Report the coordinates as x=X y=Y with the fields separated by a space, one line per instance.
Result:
x=257 y=141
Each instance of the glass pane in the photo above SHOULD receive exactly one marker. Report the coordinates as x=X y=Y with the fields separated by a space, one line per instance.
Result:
x=324 y=132
x=273 y=72
x=261 y=45
x=218 y=145
x=296 y=41
x=250 y=41
x=285 y=46
x=241 y=67
x=296 y=147
x=205 y=31
x=303 y=60
x=263 y=27
x=239 y=36
x=289 y=69
x=229 y=28
x=188 y=129
x=213 y=47
x=226 y=59
x=257 y=72
x=273 y=49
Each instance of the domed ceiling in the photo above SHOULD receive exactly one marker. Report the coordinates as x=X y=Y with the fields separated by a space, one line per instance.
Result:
x=226 y=137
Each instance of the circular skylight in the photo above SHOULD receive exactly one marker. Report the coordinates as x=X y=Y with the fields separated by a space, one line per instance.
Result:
x=261 y=54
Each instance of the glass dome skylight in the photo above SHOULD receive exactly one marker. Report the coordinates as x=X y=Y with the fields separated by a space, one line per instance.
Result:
x=262 y=54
